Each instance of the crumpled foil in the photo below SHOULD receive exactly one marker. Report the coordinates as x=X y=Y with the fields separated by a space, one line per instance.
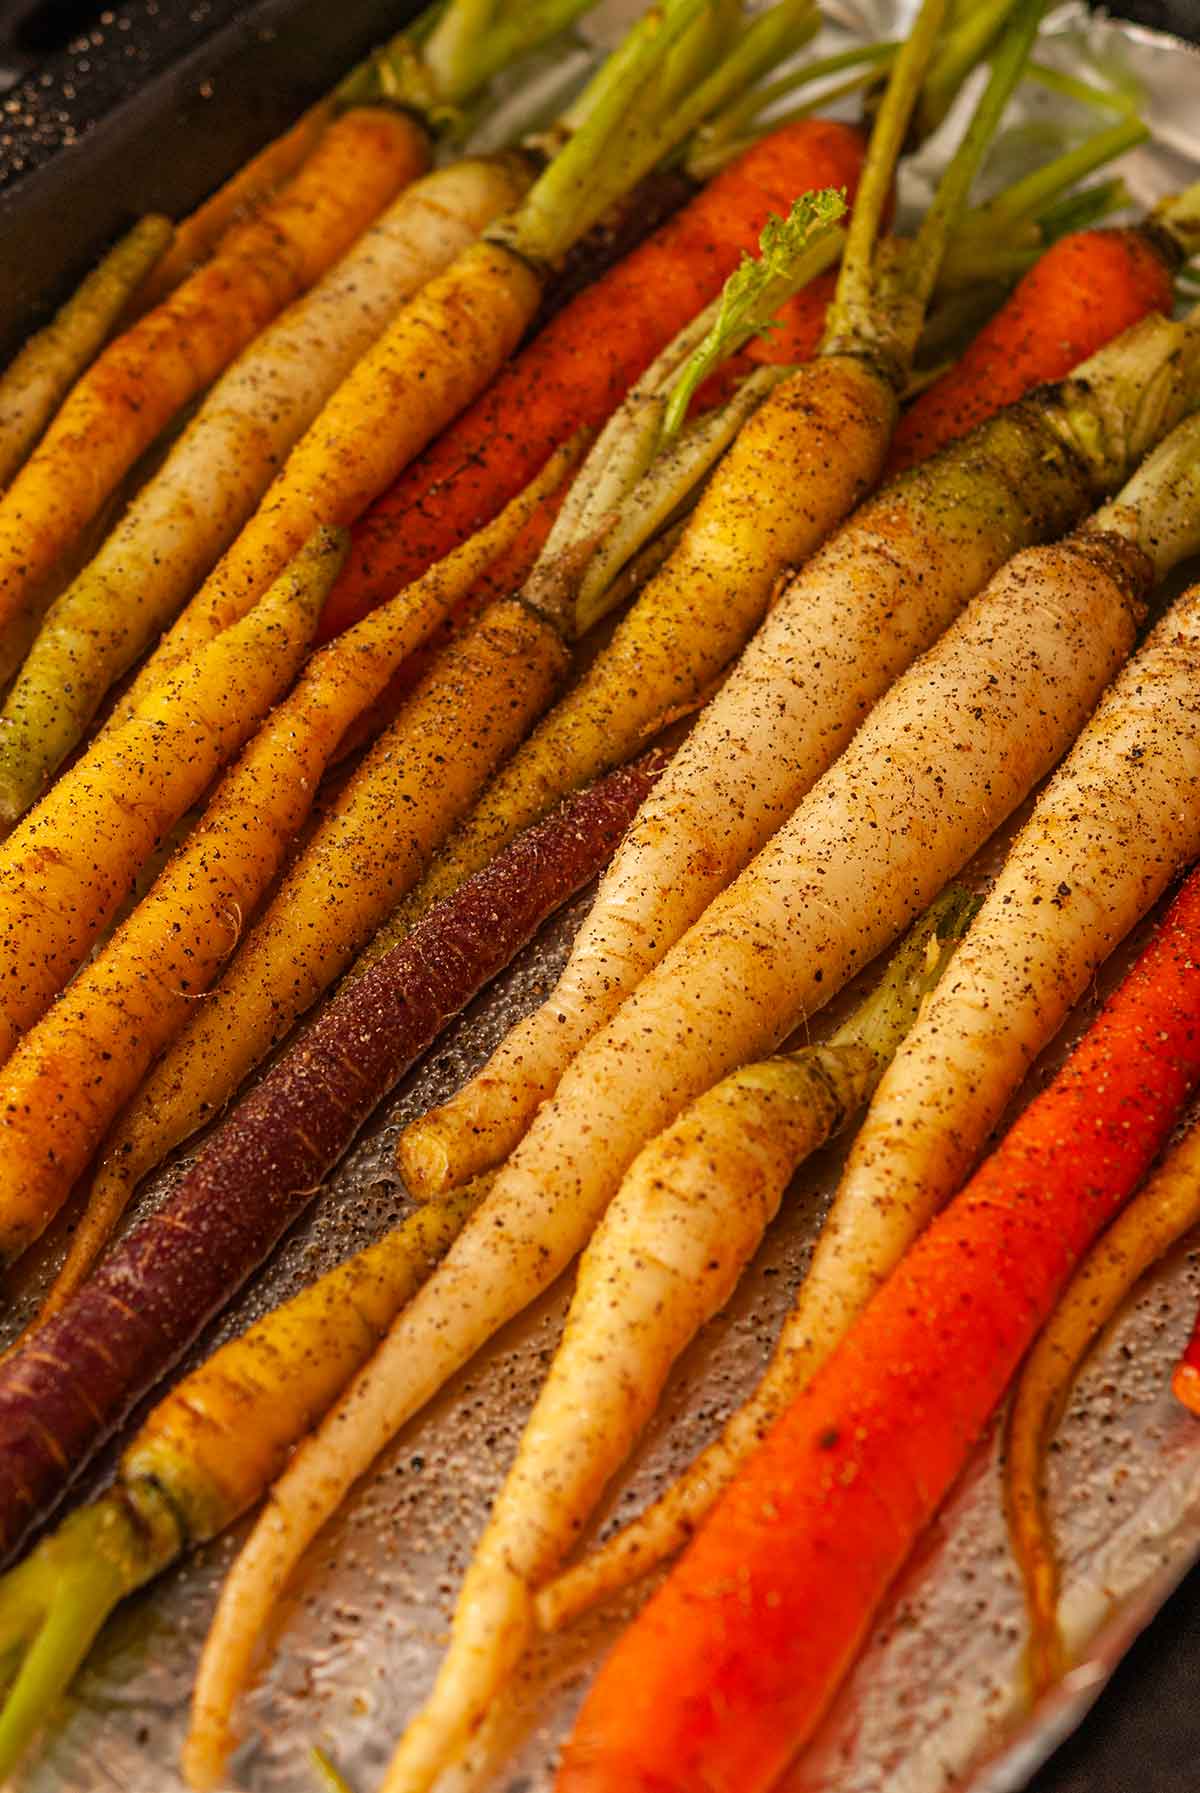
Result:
x=937 y=1700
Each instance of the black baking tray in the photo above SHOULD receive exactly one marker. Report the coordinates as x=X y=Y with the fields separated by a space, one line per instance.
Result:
x=110 y=113
x=146 y=107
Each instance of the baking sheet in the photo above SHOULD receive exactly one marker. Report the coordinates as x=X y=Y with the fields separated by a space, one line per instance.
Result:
x=936 y=1701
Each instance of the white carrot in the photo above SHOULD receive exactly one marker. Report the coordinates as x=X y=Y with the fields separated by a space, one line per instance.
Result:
x=1116 y=823
x=878 y=594
x=178 y=525
x=944 y=758
x=666 y=1256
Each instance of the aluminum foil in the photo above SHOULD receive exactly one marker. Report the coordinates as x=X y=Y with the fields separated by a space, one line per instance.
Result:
x=937 y=1699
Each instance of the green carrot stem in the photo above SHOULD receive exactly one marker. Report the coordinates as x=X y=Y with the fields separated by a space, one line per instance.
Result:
x=853 y=303
x=602 y=158
x=733 y=121
x=451 y=52
x=1107 y=99
x=1028 y=197
x=917 y=272
x=974 y=27
x=61 y=1595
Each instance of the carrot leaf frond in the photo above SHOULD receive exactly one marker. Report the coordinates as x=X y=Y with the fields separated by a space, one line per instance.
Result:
x=792 y=251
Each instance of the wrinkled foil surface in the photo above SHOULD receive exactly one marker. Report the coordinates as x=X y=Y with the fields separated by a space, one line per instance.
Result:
x=937 y=1700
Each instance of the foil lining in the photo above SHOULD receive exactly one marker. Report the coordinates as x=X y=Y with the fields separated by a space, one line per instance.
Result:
x=937 y=1700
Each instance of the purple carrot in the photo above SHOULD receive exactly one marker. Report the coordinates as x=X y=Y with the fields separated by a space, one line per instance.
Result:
x=71 y=1384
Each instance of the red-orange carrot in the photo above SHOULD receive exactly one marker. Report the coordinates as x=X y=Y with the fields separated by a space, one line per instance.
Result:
x=507 y=574
x=1085 y=290
x=579 y=368
x=728 y=1670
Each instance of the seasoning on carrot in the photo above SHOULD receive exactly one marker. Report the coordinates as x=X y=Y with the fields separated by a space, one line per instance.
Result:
x=931 y=773
x=684 y=59
x=810 y=451
x=468 y=710
x=66 y=867
x=1105 y=837
x=61 y=1392
x=666 y=1256
x=874 y=597
x=721 y=1681
x=139 y=382
x=64 y=1083
x=182 y=519
x=35 y=382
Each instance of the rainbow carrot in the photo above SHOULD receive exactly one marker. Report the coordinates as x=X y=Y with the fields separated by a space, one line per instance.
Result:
x=65 y=1389
x=579 y=368
x=827 y=1510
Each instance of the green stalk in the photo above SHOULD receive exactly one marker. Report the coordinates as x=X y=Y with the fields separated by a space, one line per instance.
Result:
x=949 y=201
x=853 y=304
x=1028 y=197
x=974 y=28
x=602 y=160
x=450 y=54
x=60 y=1596
x=1105 y=99
x=888 y=304
x=730 y=128
x=1003 y=236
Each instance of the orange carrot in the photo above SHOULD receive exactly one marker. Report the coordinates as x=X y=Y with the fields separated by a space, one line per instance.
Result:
x=727 y=1672
x=1085 y=290
x=579 y=368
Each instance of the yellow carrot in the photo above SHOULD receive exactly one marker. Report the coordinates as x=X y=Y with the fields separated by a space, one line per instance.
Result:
x=143 y=378
x=142 y=988
x=66 y=867
x=828 y=428
x=474 y=704
x=52 y=360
